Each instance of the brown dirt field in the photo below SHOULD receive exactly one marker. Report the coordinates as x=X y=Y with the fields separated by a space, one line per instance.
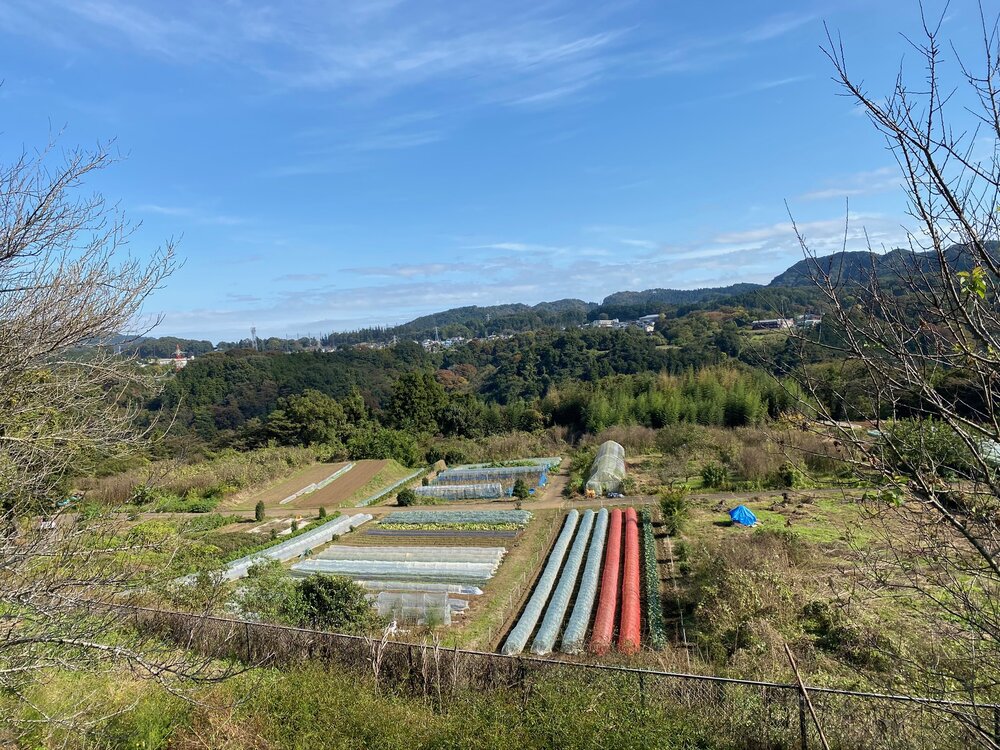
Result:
x=341 y=488
x=278 y=491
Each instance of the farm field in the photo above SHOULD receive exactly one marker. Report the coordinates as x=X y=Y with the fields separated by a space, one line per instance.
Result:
x=371 y=477
x=364 y=478
x=273 y=494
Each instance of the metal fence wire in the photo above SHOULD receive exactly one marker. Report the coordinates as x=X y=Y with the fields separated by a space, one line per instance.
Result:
x=739 y=714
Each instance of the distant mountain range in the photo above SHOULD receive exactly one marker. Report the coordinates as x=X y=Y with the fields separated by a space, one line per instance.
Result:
x=791 y=289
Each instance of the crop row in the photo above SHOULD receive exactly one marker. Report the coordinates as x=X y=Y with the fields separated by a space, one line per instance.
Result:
x=651 y=575
x=445 y=517
x=519 y=635
x=546 y=637
x=576 y=628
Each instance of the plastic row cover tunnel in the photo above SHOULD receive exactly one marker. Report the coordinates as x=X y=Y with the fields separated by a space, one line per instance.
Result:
x=398 y=570
x=533 y=610
x=576 y=628
x=548 y=632
x=485 y=490
x=608 y=469
x=428 y=554
x=297 y=545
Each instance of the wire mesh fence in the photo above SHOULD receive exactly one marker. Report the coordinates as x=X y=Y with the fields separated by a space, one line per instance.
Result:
x=743 y=714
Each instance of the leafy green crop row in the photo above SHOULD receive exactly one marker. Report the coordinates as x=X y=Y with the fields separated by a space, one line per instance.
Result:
x=651 y=579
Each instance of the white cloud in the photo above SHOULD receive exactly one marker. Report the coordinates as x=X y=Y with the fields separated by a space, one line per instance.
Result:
x=196 y=215
x=881 y=180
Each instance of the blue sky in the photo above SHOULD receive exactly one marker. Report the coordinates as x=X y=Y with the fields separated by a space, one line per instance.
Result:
x=328 y=165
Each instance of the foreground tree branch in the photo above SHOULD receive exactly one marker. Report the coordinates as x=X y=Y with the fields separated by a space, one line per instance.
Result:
x=69 y=289
x=919 y=329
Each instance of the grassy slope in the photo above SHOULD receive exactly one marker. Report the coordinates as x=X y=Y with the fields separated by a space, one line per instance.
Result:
x=392 y=472
x=312 y=708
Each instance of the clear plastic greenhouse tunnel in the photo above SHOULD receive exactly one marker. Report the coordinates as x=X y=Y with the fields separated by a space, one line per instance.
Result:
x=483 y=491
x=549 y=630
x=525 y=626
x=576 y=628
x=608 y=469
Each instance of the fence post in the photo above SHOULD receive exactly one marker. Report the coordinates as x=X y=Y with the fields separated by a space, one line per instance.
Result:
x=802 y=722
x=996 y=724
x=642 y=692
x=249 y=657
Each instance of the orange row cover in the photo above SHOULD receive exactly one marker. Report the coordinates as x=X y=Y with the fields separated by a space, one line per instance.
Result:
x=604 y=620
x=630 y=627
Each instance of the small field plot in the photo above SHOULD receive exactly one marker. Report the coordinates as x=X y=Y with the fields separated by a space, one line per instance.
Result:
x=417 y=579
x=457 y=518
x=366 y=479
x=273 y=494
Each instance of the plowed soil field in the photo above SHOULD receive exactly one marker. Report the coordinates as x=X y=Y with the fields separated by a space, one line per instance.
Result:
x=341 y=488
x=273 y=494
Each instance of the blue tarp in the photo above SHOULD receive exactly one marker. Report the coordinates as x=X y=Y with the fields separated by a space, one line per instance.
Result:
x=743 y=515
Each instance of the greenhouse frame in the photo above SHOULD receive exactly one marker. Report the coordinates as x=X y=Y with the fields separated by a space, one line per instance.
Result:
x=506 y=475
x=484 y=491
x=415 y=607
x=548 y=462
x=608 y=469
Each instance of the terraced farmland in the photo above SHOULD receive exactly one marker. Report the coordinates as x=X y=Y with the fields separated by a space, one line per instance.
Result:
x=326 y=486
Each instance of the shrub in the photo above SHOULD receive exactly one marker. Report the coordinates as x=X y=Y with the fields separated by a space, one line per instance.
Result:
x=258 y=511
x=714 y=475
x=336 y=603
x=406 y=497
x=322 y=512
x=927 y=447
x=792 y=476
x=520 y=490
x=673 y=506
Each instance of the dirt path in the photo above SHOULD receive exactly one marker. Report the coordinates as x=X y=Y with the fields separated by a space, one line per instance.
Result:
x=670 y=597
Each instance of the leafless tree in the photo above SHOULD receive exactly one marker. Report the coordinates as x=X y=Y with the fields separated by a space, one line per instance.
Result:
x=917 y=332
x=69 y=287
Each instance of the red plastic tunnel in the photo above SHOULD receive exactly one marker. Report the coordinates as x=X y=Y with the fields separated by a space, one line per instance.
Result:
x=604 y=620
x=629 y=629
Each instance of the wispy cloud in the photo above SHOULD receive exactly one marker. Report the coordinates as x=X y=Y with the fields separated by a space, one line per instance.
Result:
x=299 y=277
x=879 y=180
x=776 y=26
x=196 y=215
x=409 y=271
